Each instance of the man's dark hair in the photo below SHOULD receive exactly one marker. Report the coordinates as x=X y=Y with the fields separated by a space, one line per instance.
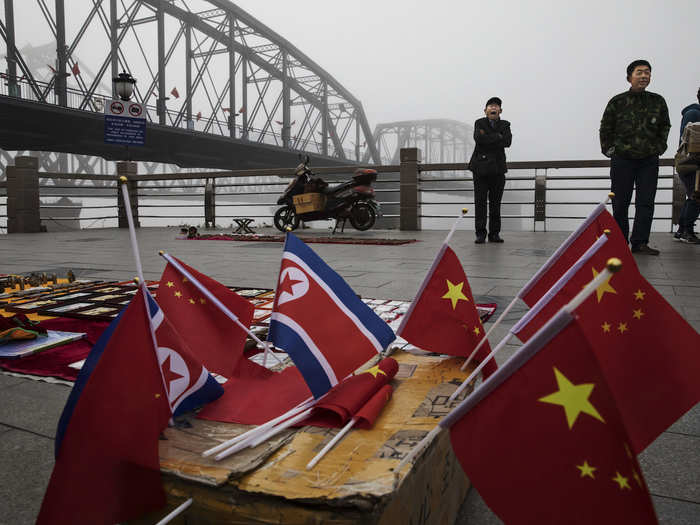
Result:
x=636 y=63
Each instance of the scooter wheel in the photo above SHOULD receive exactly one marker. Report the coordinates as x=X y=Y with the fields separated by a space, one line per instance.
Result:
x=362 y=216
x=285 y=217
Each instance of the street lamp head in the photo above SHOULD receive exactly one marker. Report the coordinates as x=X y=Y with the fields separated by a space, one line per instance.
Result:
x=124 y=83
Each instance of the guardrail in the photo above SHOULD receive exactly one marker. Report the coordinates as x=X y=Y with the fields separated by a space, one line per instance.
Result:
x=421 y=196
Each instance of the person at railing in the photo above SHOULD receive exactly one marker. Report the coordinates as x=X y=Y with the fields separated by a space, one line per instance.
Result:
x=633 y=133
x=691 y=207
x=488 y=164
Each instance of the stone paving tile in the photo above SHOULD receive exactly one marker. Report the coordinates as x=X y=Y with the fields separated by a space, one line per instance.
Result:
x=689 y=423
x=34 y=406
x=691 y=313
x=27 y=461
x=687 y=290
x=6 y=381
x=674 y=512
x=671 y=466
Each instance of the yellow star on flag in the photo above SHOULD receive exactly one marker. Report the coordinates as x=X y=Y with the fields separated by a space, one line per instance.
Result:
x=375 y=370
x=603 y=288
x=637 y=314
x=586 y=470
x=606 y=327
x=476 y=330
x=170 y=284
x=639 y=295
x=454 y=293
x=192 y=301
x=622 y=327
x=202 y=301
x=184 y=279
x=574 y=398
x=178 y=294
x=622 y=481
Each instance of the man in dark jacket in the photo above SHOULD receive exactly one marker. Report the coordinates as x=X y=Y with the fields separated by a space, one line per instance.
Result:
x=691 y=207
x=488 y=163
x=633 y=134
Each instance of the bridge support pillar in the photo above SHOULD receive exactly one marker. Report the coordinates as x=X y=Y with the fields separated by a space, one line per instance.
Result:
x=23 y=214
x=408 y=187
x=128 y=170
x=210 y=203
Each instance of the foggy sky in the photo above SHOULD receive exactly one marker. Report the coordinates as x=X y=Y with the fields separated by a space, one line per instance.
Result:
x=555 y=64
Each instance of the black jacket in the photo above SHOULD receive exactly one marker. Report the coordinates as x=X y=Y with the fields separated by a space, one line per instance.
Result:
x=489 y=155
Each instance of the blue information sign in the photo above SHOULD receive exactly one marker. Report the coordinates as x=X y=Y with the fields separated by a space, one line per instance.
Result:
x=125 y=130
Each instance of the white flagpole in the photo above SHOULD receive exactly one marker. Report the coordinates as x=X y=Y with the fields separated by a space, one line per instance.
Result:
x=140 y=279
x=613 y=265
x=486 y=337
x=228 y=313
x=311 y=464
x=454 y=226
x=176 y=512
x=259 y=429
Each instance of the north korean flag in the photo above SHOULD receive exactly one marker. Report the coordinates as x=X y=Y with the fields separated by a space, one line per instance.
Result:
x=320 y=321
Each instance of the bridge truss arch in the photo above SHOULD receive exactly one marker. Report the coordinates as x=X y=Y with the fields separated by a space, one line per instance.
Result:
x=203 y=65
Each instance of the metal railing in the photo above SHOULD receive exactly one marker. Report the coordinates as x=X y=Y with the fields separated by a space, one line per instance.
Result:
x=253 y=194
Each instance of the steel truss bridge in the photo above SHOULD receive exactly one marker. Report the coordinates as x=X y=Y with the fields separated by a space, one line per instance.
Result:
x=222 y=90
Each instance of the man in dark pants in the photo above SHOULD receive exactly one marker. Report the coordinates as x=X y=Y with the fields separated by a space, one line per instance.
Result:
x=488 y=163
x=633 y=133
x=691 y=207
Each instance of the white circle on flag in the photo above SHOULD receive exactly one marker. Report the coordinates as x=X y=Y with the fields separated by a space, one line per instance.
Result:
x=177 y=375
x=292 y=278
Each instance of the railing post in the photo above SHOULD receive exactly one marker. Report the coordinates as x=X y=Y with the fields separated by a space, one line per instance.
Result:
x=408 y=188
x=210 y=203
x=540 y=214
x=128 y=170
x=23 y=215
x=678 y=199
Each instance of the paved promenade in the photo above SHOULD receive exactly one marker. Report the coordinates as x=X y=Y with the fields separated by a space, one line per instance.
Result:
x=30 y=409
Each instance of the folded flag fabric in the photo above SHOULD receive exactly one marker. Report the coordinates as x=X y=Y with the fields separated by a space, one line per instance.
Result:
x=210 y=334
x=320 y=321
x=443 y=317
x=107 y=469
x=648 y=352
x=350 y=397
x=369 y=413
x=543 y=441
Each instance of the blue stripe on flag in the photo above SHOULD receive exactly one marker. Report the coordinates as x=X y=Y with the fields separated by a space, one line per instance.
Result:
x=375 y=324
x=210 y=391
x=312 y=371
x=83 y=376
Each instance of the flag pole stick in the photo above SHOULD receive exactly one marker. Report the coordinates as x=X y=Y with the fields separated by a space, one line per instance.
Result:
x=311 y=464
x=228 y=313
x=613 y=265
x=176 y=512
x=140 y=279
x=454 y=226
x=246 y=435
x=486 y=337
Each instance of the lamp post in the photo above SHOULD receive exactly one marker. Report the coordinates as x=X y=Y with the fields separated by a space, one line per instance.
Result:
x=124 y=85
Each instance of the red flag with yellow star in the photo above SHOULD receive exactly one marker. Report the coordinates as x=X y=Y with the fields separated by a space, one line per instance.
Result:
x=648 y=352
x=355 y=397
x=213 y=337
x=543 y=441
x=443 y=317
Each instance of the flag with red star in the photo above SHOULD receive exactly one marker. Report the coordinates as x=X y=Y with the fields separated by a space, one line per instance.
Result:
x=543 y=441
x=648 y=352
x=355 y=397
x=443 y=317
x=216 y=340
x=107 y=469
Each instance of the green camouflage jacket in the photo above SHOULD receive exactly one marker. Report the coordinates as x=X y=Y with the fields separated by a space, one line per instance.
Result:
x=635 y=125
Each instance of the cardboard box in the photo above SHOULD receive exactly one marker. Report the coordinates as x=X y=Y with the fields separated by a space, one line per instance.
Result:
x=307 y=202
x=354 y=483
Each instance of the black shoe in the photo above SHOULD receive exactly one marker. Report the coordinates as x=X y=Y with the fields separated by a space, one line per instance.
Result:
x=645 y=249
x=480 y=239
x=690 y=238
x=495 y=238
x=677 y=236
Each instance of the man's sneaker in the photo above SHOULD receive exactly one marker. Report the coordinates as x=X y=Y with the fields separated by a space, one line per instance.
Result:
x=480 y=239
x=690 y=238
x=677 y=235
x=495 y=238
x=645 y=249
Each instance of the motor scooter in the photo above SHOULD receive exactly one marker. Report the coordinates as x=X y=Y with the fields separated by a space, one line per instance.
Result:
x=351 y=200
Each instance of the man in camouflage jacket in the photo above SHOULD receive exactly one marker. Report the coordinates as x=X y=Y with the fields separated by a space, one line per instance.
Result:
x=633 y=134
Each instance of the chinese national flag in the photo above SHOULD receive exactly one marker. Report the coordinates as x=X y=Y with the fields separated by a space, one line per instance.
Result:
x=443 y=317
x=214 y=338
x=355 y=395
x=547 y=444
x=569 y=252
x=648 y=352
x=75 y=69
x=174 y=92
